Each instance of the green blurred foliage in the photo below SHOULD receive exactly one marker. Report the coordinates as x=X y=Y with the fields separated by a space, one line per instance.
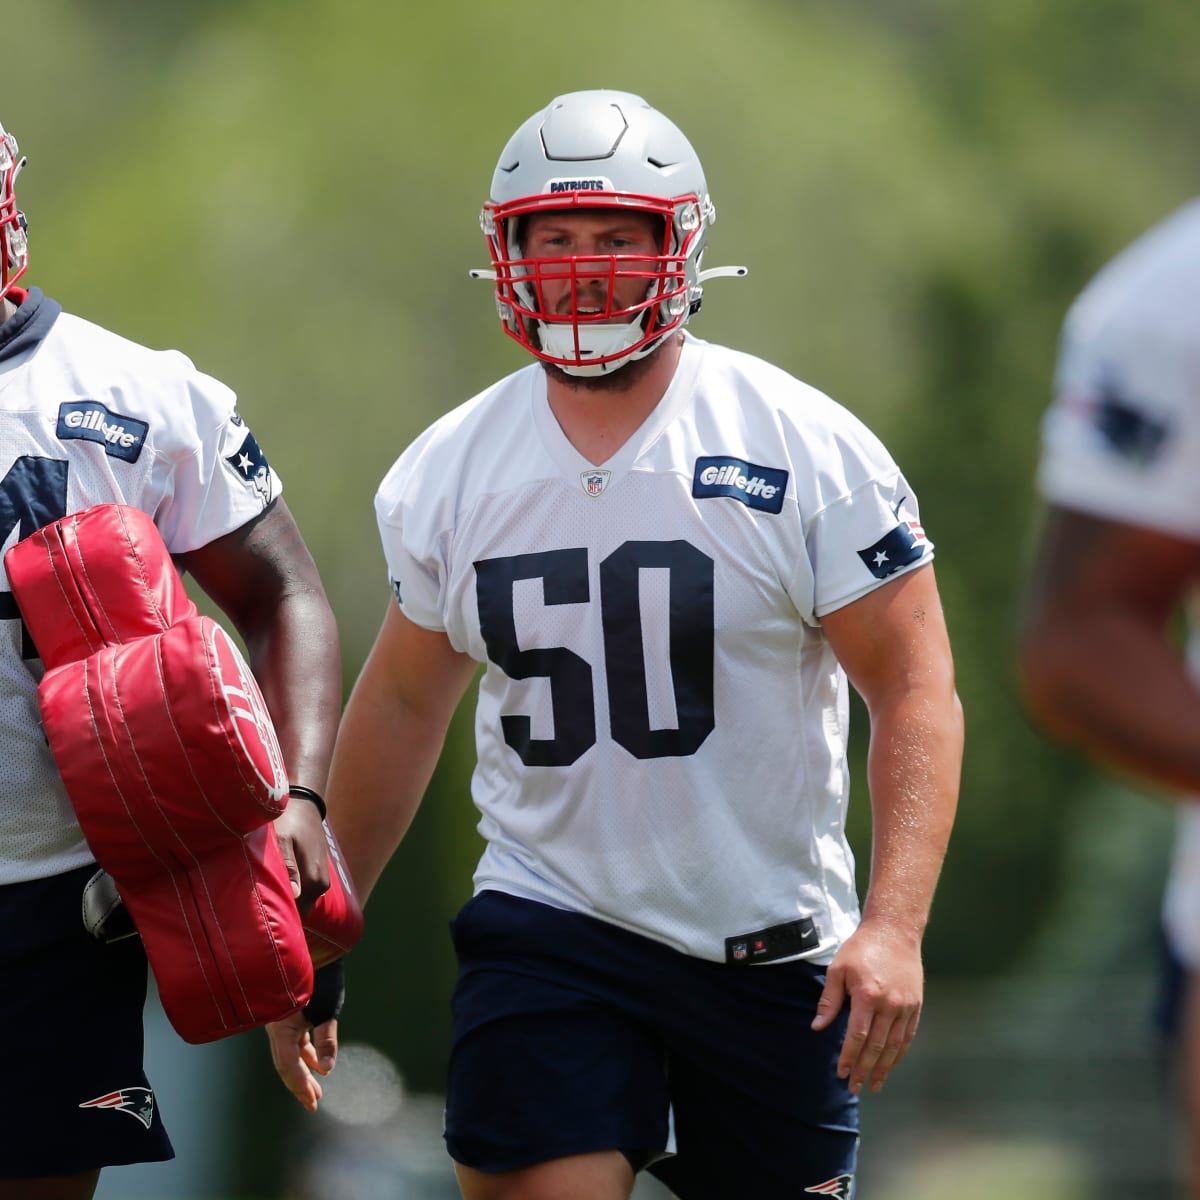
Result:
x=288 y=191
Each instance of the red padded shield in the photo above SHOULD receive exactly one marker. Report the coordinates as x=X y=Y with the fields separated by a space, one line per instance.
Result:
x=146 y=730
x=170 y=758
x=93 y=579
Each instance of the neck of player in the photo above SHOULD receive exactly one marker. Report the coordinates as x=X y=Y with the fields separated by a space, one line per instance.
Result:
x=599 y=415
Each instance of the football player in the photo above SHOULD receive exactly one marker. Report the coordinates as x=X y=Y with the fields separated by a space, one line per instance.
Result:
x=669 y=558
x=87 y=418
x=1119 y=559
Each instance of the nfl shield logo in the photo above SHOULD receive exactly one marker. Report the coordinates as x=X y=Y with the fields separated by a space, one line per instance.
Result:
x=594 y=482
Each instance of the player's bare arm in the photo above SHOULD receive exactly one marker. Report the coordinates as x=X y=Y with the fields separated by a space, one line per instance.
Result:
x=387 y=748
x=390 y=739
x=264 y=578
x=894 y=647
x=1099 y=664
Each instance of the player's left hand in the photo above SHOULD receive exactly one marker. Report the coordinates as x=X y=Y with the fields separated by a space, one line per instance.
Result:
x=301 y=836
x=879 y=969
x=301 y=1052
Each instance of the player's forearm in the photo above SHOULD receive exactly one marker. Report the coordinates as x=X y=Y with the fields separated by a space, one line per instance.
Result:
x=297 y=661
x=1118 y=690
x=264 y=579
x=915 y=764
x=382 y=763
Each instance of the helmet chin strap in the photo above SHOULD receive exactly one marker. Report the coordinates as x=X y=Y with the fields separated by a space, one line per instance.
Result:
x=592 y=341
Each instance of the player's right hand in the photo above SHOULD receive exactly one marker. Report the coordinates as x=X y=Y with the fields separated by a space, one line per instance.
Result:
x=301 y=1052
x=878 y=970
x=301 y=834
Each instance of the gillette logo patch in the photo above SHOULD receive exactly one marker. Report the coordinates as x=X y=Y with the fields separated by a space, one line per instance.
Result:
x=121 y=436
x=756 y=487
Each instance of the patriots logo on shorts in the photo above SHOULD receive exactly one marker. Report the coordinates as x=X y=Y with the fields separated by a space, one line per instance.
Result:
x=138 y=1102
x=842 y=1186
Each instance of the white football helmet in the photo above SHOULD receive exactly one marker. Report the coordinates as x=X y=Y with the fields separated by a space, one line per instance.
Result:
x=14 y=258
x=590 y=150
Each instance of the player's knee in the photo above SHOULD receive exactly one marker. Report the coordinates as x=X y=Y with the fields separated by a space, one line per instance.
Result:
x=603 y=1175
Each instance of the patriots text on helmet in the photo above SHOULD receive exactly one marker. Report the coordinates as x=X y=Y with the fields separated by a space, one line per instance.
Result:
x=580 y=185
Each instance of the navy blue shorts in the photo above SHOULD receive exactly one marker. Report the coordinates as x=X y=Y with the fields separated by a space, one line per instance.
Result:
x=1172 y=988
x=71 y=1010
x=572 y=1035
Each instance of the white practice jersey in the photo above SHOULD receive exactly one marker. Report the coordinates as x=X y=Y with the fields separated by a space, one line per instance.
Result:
x=661 y=725
x=1122 y=439
x=86 y=418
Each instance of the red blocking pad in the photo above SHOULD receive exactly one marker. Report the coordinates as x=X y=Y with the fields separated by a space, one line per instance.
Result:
x=98 y=577
x=169 y=756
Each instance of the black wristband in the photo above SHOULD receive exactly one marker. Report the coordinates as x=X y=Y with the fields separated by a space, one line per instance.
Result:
x=298 y=789
x=328 y=994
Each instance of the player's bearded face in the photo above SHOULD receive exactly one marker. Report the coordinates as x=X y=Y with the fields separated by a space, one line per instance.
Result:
x=579 y=257
x=595 y=265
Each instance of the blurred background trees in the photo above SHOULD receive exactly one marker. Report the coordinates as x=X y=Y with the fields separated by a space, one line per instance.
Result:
x=289 y=193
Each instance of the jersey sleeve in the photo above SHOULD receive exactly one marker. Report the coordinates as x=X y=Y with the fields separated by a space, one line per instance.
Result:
x=1121 y=438
x=414 y=541
x=866 y=526
x=218 y=477
x=864 y=540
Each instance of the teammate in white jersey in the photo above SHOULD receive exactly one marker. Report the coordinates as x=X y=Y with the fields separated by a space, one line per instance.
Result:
x=668 y=556
x=1120 y=556
x=87 y=417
